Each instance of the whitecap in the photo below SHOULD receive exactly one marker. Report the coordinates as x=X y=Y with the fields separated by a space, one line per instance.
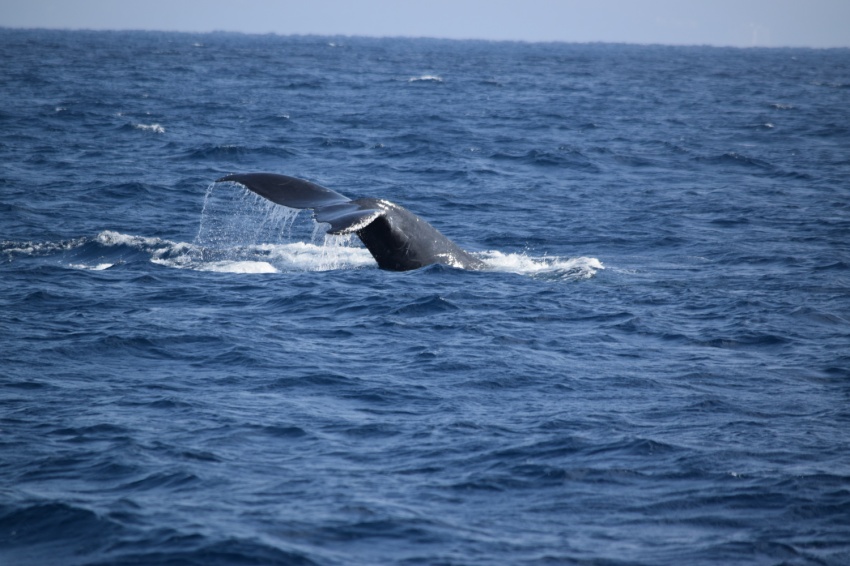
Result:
x=98 y=267
x=426 y=78
x=155 y=128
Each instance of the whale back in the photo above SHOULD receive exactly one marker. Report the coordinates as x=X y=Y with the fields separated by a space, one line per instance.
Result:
x=400 y=240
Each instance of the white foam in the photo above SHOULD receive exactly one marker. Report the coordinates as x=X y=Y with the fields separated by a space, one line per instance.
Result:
x=334 y=253
x=238 y=267
x=44 y=248
x=326 y=252
x=111 y=238
x=157 y=247
x=266 y=258
x=155 y=128
x=557 y=267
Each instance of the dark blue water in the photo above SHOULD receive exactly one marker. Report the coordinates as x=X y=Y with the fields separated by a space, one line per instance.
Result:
x=654 y=369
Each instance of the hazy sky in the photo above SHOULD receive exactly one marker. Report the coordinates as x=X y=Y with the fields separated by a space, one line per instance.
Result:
x=814 y=23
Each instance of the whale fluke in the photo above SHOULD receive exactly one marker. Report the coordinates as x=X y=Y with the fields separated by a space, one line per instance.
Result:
x=397 y=239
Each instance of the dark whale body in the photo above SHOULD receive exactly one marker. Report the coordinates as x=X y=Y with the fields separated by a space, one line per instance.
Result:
x=397 y=239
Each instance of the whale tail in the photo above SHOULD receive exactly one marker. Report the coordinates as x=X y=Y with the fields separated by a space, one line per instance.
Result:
x=343 y=214
x=397 y=239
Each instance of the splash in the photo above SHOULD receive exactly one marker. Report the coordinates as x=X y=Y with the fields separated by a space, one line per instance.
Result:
x=238 y=217
x=242 y=232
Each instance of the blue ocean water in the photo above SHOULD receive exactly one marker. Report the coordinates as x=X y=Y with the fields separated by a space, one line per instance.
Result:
x=654 y=369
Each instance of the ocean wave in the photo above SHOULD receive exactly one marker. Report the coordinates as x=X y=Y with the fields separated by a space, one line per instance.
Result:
x=735 y=158
x=208 y=398
x=60 y=533
x=219 y=151
x=564 y=156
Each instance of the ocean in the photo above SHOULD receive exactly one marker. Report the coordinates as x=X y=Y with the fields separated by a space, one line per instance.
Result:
x=653 y=368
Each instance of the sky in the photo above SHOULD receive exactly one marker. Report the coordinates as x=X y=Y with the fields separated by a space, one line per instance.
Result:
x=741 y=23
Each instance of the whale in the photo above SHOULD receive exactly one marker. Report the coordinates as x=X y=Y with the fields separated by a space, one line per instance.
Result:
x=398 y=239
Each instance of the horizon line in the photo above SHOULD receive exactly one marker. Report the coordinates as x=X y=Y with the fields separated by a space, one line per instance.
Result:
x=426 y=37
